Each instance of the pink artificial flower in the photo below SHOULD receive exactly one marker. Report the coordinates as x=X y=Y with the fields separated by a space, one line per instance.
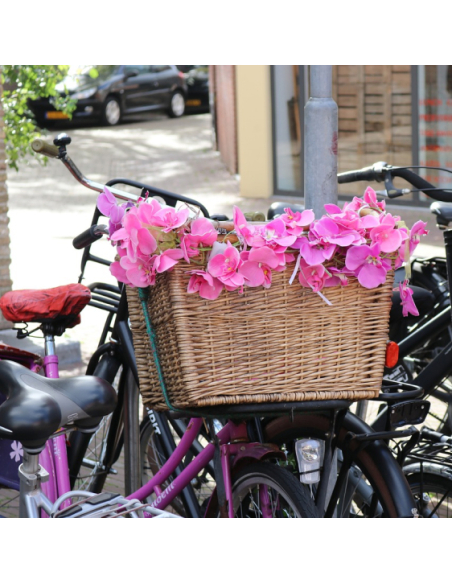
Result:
x=296 y=221
x=106 y=202
x=337 y=278
x=418 y=229
x=189 y=247
x=244 y=232
x=313 y=277
x=224 y=266
x=367 y=265
x=206 y=285
x=328 y=230
x=166 y=260
x=202 y=231
x=314 y=252
x=147 y=211
x=407 y=302
x=140 y=273
x=387 y=235
x=133 y=237
x=170 y=219
x=257 y=265
x=118 y=272
x=370 y=197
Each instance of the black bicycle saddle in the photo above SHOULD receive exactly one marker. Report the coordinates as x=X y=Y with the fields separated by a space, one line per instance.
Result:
x=36 y=406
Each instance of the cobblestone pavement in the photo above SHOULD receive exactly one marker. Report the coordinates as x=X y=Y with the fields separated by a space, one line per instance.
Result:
x=48 y=208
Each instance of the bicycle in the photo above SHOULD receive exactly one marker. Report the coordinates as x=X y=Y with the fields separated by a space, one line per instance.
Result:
x=262 y=490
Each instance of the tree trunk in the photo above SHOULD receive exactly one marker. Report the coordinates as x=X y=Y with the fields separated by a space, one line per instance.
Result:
x=5 y=256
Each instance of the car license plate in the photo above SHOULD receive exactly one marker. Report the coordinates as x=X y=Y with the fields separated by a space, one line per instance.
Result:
x=193 y=102
x=56 y=116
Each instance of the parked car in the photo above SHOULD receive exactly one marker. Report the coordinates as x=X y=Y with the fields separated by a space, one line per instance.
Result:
x=107 y=93
x=197 y=79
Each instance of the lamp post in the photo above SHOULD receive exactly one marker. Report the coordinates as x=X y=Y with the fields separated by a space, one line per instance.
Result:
x=320 y=141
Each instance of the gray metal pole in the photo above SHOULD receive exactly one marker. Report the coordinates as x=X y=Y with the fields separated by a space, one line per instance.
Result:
x=320 y=142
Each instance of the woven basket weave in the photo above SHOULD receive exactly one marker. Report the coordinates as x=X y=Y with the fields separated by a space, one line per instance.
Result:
x=265 y=345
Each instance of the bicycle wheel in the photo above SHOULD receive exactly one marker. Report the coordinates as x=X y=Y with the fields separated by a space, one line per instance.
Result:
x=433 y=494
x=265 y=490
x=376 y=485
x=152 y=459
x=95 y=472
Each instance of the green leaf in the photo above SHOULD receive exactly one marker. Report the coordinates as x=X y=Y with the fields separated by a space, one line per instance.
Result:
x=24 y=83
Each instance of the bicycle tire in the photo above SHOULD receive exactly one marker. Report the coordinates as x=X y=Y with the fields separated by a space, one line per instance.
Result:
x=439 y=494
x=379 y=469
x=284 y=496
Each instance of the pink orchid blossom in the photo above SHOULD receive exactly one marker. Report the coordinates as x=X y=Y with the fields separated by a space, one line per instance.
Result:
x=133 y=237
x=118 y=272
x=141 y=272
x=166 y=260
x=202 y=231
x=189 y=247
x=387 y=235
x=257 y=266
x=244 y=232
x=327 y=230
x=147 y=211
x=407 y=302
x=367 y=265
x=370 y=197
x=313 y=277
x=314 y=252
x=106 y=202
x=295 y=222
x=224 y=266
x=205 y=284
x=418 y=229
x=170 y=219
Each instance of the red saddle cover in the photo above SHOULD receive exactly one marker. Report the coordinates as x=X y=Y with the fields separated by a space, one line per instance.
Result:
x=40 y=305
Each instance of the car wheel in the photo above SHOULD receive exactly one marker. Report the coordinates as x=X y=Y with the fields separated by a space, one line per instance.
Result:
x=111 y=114
x=177 y=105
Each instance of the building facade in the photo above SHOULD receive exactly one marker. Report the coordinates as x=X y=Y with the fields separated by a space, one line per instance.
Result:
x=401 y=114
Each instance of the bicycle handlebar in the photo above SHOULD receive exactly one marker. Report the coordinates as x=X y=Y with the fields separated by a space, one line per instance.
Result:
x=89 y=236
x=381 y=171
x=368 y=173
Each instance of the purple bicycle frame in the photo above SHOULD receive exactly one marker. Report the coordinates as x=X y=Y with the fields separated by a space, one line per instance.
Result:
x=229 y=432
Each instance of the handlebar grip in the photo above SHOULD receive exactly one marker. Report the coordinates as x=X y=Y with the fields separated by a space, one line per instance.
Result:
x=44 y=148
x=89 y=236
x=368 y=173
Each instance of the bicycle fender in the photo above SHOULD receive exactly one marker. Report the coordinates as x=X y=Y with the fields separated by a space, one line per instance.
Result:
x=257 y=451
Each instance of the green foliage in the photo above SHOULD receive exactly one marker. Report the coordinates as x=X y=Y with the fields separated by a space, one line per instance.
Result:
x=22 y=83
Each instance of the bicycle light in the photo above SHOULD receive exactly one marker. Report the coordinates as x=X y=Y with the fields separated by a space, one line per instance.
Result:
x=310 y=458
x=392 y=354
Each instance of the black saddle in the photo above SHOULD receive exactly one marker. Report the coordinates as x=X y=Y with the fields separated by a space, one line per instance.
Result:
x=443 y=212
x=36 y=406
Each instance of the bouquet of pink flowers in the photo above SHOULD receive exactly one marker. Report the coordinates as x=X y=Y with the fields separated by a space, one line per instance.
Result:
x=360 y=240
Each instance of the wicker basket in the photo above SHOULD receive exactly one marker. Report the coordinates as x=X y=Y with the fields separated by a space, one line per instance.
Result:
x=267 y=345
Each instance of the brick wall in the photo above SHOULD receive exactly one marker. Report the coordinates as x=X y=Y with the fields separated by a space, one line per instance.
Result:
x=5 y=258
x=225 y=114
